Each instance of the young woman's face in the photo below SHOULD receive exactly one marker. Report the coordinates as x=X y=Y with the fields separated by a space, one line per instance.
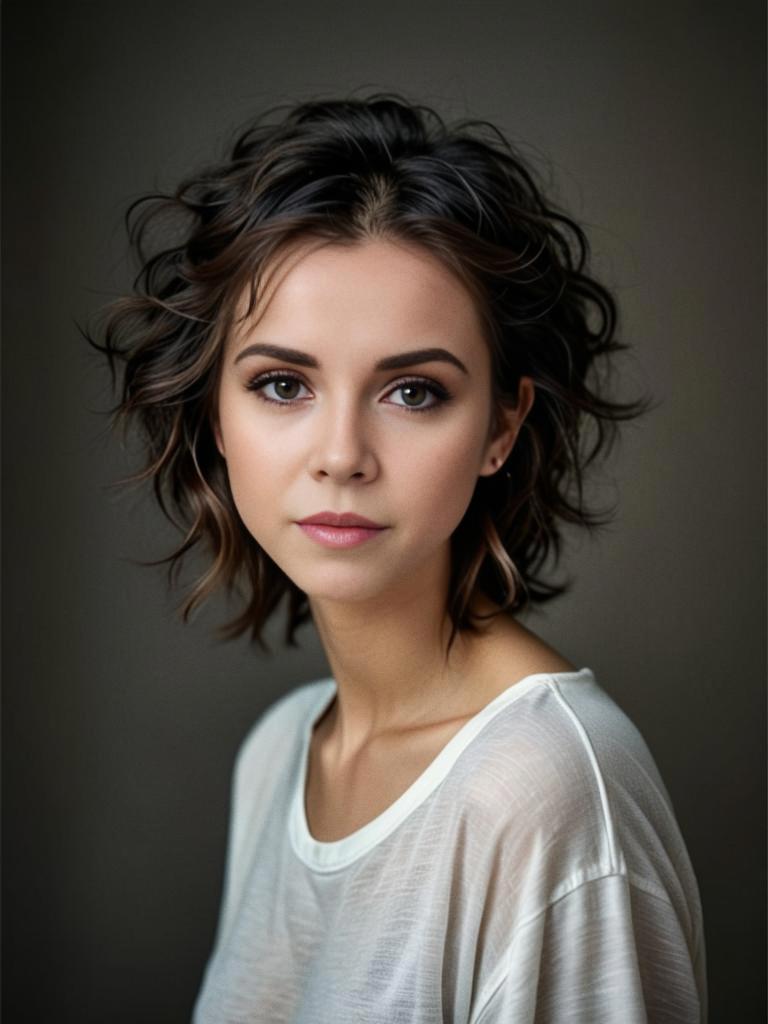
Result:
x=331 y=424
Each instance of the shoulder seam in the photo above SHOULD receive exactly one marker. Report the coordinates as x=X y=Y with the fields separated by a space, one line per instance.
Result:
x=502 y=970
x=615 y=859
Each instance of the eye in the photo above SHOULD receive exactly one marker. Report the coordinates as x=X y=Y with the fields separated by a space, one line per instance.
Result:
x=285 y=385
x=413 y=391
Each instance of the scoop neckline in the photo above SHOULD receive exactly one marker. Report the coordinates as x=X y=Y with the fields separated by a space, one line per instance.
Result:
x=339 y=853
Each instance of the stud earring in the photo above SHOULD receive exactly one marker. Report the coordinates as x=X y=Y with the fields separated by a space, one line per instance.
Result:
x=495 y=463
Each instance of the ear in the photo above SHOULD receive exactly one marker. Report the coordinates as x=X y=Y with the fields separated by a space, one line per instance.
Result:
x=501 y=444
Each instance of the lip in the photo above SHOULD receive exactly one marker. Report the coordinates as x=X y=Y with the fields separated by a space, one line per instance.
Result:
x=340 y=529
x=340 y=519
x=340 y=536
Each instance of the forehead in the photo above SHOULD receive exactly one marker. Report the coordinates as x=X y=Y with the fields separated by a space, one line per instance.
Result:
x=394 y=291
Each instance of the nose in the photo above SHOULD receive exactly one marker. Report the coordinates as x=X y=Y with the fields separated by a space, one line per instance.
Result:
x=341 y=448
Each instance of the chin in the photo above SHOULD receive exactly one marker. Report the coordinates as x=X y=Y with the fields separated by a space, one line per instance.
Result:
x=343 y=585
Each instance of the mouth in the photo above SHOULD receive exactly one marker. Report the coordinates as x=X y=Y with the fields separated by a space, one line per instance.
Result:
x=340 y=529
x=340 y=519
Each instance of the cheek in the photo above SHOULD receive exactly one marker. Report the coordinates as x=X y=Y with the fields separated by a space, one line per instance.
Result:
x=445 y=475
x=254 y=467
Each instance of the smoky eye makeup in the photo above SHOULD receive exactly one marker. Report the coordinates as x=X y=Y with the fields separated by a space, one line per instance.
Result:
x=261 y=382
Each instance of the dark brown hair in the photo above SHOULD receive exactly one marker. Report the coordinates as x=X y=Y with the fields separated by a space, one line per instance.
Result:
x=348 y=170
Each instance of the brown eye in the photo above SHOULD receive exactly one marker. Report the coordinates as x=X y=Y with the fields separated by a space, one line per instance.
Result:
x=282 y=386
x=420 y=395
x=286 y=387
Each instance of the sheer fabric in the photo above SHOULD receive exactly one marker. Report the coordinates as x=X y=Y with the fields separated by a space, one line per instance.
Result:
x=535 y=872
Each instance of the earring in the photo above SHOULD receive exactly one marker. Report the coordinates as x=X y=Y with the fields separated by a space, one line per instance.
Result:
x=507 y=474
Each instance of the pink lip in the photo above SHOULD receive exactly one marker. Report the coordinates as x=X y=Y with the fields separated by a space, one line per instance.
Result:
x=340 y=529
x=341 y=519
x=340 y=536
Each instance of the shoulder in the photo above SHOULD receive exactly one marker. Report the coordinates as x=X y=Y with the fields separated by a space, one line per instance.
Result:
x=566 y=723
x=530 y=752
x=280 y=723
x=555 y=764
x=549 y=725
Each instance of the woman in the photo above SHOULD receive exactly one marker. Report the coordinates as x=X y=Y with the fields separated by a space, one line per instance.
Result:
x=361 y=367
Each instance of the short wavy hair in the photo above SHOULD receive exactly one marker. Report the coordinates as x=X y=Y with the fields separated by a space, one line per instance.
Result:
x=347 y=170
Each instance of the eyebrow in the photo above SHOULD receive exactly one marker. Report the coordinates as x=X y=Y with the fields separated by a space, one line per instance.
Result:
x=396 y=362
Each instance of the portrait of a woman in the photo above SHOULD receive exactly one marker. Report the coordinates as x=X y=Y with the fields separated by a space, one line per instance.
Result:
x=366 y=353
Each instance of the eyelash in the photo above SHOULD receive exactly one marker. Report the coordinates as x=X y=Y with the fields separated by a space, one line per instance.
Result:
x=437 y=390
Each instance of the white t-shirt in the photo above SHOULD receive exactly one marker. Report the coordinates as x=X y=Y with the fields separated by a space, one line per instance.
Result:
x=534 y=872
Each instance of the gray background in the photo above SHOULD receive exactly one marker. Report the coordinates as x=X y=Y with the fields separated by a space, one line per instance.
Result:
x=120 y=723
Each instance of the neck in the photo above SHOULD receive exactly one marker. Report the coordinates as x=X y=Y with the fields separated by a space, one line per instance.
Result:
x=388 y=658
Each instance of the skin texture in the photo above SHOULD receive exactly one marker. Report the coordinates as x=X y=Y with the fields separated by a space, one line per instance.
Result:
x=344 y=439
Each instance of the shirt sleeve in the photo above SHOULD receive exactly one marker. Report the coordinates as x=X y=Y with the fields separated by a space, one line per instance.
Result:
x=606 y=951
